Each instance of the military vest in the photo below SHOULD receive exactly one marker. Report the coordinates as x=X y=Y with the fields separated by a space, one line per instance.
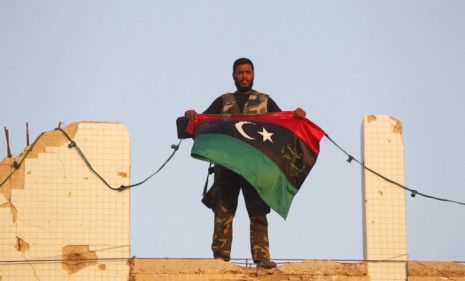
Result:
x=257 y=103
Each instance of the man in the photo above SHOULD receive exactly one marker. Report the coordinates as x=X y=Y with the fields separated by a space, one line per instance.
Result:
x=227 y=184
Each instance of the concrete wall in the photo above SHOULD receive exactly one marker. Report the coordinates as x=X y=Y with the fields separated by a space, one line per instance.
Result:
x=58 y=221
x=384 y=212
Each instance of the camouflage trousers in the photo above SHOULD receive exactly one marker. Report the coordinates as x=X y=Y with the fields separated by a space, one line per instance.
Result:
x=223 y=231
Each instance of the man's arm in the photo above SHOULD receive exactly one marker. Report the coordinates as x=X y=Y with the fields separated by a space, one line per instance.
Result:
x=299 y=113
x=272 y=106
x=214 y=108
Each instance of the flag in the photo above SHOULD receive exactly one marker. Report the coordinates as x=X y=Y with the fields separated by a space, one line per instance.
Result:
x=274 y=152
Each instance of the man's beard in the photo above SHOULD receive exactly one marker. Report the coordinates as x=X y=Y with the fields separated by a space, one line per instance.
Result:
x=241 y=88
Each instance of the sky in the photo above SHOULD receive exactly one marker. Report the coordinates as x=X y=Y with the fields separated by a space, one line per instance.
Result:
x=143 y=63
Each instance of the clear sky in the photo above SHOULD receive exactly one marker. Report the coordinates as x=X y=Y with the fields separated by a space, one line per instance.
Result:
x=143 y=63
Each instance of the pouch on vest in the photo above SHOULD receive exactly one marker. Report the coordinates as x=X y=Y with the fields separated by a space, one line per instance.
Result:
x=207 y=198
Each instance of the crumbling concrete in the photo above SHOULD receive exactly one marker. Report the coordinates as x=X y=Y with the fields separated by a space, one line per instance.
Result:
x=58 y=221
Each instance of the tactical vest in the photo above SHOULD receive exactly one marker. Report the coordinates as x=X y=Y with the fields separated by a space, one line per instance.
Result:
x=257 y=103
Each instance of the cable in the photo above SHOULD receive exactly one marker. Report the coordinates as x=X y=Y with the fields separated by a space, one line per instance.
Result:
x=444 y=274
x=40 y=261
x=233 y=260
x=351 y=158
x=72 y=144
x=414 y=192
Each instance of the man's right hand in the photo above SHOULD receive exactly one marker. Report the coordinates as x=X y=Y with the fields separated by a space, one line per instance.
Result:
x=191 y=115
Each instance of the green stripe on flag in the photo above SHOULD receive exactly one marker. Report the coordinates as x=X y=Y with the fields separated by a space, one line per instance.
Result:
x=257 y=168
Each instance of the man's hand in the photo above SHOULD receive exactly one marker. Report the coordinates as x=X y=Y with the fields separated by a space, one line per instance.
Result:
x=191 y=115
x=299 y=113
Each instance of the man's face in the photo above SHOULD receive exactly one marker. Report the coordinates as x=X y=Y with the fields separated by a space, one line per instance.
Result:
x=243 y=77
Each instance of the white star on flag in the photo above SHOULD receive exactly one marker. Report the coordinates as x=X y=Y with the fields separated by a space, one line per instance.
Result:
x=266 y=135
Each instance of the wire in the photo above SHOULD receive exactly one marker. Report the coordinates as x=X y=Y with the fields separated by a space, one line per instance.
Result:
x=413 y=192
x=351 y=158
x=72 y=144
x=39 y=261
x=233 y=260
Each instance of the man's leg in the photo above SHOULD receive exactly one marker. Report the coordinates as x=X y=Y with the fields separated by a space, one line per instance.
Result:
x=259 y=244
x=222 y=233
x=224 y=195
x=257 y=210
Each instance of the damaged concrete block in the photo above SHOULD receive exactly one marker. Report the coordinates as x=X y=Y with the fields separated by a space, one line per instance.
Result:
x=58 y=220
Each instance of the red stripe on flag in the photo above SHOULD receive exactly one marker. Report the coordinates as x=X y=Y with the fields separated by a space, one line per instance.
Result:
x=305 y=129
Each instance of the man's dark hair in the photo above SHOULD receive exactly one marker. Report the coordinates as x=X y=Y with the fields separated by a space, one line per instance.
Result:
x=240 y=61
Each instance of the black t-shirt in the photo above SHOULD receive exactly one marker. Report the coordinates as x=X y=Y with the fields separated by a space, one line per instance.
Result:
x=217 y=106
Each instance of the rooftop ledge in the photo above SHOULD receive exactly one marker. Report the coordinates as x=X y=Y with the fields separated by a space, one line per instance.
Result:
x=210 y=269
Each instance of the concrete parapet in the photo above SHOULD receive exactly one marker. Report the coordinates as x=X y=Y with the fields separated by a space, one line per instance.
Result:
x=210 y=270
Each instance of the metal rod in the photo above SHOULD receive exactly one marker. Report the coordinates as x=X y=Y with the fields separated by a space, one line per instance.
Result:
x=8 y=150
x=27 y=134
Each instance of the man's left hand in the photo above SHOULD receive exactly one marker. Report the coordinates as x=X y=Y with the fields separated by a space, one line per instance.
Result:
x=299 y=113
